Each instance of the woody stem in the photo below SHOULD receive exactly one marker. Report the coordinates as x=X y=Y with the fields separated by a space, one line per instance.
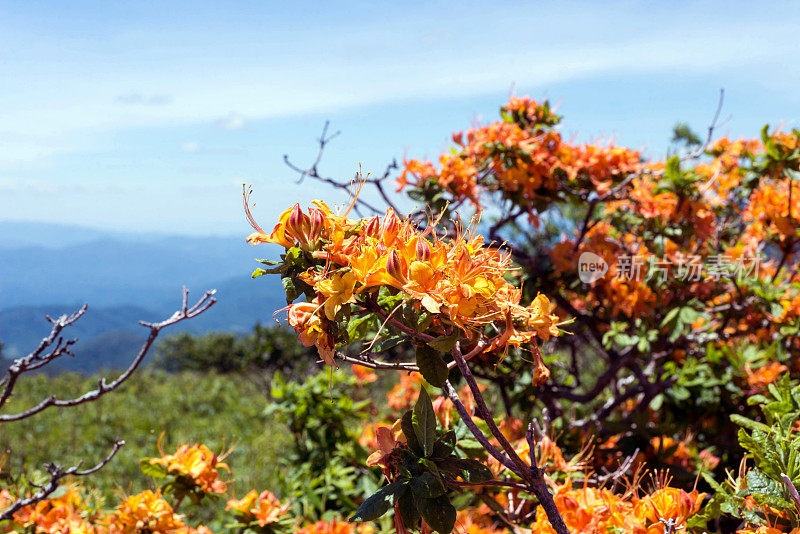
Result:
x=531 y=474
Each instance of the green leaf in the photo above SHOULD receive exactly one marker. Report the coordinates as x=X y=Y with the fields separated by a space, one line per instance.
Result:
x=269 y=263
x=438 y=513
x=688 y=315
x=432 y=366
x=152 y=470
x=378 y=503
x=424 y=422
x=445 y=343
x=670 y=316
x=408 y=510
x=388 y=343
x=468 y=469
x=359 y=327
x=261 y=271
x=407 y=425
x=291 y=291
x=475 y=471
x=426 y=486
x=760 y=484
x=445 y=445
x=749 y=423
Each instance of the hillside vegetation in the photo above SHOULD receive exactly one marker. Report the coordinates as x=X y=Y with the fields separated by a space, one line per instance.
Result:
x=223 y=412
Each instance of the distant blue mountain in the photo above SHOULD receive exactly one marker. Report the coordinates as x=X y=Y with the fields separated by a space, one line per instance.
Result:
x=124 y=278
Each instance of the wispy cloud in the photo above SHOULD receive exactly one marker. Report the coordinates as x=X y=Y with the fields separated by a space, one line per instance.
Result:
x=192 y=147
x=233 y=121
x=140 y=99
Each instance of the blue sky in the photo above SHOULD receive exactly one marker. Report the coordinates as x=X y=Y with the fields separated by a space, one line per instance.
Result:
x=148 y=116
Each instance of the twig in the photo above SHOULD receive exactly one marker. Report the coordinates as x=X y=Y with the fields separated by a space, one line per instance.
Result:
x=38 y=357
x=56 y=473
x=103 y=387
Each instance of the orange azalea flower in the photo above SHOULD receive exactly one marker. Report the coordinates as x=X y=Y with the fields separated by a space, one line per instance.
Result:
x=198 y=463
x=386 y=440
x=668 y=504
x=327 y=527
x=586 y=510
x=542 y=162
x=763 y=376
x=598 y=511
x=365 y=375
x=460 y=282
x=303 y=317
x=680 y=456
x=59 y=515
x=264 y=508
x=404 y=394
x=337 y=290
x=146 y=511
x=765 y=529
x=472 y=522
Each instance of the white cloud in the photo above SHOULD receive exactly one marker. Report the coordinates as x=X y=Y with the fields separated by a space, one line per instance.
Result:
x=233 y=121
x=191 y=147
x=144 y=100
x=320 y=68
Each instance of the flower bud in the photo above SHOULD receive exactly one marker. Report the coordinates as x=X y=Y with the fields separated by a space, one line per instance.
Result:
x=423 y=250
x=372 y=227
x=394 y=266
x=316 y=223
x=390 y=227
x=299 y=225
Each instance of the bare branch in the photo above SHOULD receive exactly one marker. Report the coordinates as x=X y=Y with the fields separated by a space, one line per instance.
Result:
x=56 y=473
x=347 y=186
x=39 y=357
x=103 y=387
x=702 y=148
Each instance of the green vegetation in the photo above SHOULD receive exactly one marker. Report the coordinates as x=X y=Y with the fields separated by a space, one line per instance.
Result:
x=223 y=412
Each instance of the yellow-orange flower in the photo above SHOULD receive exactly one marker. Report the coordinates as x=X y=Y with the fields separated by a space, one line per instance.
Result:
x=337 y=290
x=144 y=511
x=198 y=463
x=327 y=527
x=264 y=508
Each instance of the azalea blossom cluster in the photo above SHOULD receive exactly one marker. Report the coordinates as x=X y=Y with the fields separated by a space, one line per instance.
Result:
x=153 y=511
x=598 y=510
x=460 y=283
x=69 y=513
x=197 y=463
x=524 y=157
x=263 y=508
x=585 y=508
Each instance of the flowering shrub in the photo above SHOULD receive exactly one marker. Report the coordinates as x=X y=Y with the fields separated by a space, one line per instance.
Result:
x=609 y=344
x=675 y=280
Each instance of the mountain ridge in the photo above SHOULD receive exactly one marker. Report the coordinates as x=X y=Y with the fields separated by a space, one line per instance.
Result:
x=124 y=281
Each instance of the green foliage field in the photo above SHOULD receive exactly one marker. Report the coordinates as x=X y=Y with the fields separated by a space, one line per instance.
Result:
x=188 y=407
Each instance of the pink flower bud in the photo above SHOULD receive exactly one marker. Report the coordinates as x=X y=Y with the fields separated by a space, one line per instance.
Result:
x=317 y=222
x=423 y=250
x=299 y=224
x=372 y=227
x=395 y=267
